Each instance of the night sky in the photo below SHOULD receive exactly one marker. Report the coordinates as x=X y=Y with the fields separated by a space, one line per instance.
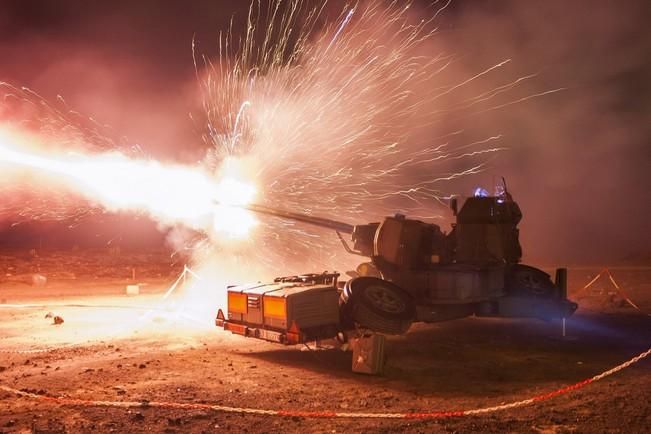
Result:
x=579 y=160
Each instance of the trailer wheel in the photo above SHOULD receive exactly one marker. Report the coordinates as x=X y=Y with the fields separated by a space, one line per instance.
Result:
x=530 y=281
x=377 y=305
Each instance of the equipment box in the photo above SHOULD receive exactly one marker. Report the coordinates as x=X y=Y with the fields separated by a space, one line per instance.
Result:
x=303 y=306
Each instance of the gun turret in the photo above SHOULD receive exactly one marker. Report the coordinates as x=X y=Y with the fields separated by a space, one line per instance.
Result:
x=417 y=272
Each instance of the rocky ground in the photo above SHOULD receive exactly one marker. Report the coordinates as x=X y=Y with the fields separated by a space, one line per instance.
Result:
x=142 y=348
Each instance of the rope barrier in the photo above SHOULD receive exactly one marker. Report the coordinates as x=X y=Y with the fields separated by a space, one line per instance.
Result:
x=323 y=414
x=188 y=270
x=620 y=291
x=623 y=294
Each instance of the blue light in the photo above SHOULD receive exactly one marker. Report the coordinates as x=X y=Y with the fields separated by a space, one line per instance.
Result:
x=480 y=192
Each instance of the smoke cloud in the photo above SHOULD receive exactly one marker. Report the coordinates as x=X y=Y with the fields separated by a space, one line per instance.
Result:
x=577 y=159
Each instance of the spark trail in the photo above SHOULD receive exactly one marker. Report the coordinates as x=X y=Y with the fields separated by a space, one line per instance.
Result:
x=349 y=117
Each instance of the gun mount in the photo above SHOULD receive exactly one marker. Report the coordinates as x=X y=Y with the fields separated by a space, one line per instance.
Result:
x=417 y=272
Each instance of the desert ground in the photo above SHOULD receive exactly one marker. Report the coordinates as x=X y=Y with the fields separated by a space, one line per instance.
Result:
x=145 y=348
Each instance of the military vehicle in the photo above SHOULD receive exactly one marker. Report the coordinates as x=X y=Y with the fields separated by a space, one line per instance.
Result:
x=414 y=272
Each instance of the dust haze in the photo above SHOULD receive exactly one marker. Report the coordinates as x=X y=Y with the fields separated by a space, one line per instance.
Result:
x=577 y=160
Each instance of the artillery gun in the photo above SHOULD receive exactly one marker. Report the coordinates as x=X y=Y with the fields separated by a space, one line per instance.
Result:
x=417 y=272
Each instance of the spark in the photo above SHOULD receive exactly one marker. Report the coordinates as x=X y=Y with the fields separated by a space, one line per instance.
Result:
x=236 y=135
x=347 y=120
x=341 y=27
x=350 y=118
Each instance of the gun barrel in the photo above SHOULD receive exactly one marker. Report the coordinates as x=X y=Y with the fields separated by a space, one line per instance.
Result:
x=316 y=221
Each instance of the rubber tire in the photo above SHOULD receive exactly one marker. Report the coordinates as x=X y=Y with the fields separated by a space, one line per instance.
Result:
x=529 y=281
x=357 y=306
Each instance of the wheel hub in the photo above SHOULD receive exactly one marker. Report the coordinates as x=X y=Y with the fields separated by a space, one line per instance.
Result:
x=384 y=299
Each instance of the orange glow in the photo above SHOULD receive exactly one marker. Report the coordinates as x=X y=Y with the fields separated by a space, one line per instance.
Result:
x=275 y=307
x=171 y=194
x=237 y=302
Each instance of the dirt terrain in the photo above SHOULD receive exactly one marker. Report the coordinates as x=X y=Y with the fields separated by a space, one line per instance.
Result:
x=145 y=348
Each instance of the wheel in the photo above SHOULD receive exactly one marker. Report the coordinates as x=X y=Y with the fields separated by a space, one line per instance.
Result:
x=526 y=280
x=377 y=305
